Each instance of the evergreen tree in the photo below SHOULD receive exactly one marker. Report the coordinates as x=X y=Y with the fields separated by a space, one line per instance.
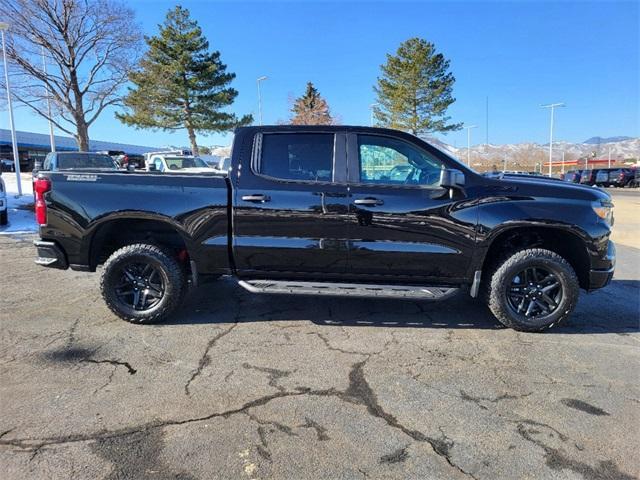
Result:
x=415 y=90
x=180 y=84
x=311 y=109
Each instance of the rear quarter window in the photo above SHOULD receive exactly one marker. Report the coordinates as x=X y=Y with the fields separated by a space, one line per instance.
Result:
x=297 y=156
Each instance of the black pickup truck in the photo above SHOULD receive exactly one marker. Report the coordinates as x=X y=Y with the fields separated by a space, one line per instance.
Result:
x=331 y=211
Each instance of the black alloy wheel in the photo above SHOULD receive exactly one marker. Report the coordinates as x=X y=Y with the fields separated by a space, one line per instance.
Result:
x=141 y=286
x=143 y=283
x=534 y=292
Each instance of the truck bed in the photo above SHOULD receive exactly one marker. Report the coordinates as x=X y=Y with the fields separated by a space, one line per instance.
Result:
x=82 y=204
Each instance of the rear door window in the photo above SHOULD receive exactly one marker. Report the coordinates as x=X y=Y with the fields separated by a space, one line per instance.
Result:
x=306 y=157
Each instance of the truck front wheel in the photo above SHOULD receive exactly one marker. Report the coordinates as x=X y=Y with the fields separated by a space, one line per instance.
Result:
x=533 y=290
x=142 y=283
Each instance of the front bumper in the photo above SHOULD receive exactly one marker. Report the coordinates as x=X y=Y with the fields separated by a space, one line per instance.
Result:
x=50 y=255
x=601 y=277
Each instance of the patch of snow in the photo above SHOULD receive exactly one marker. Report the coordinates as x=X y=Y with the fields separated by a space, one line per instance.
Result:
x=20 y=208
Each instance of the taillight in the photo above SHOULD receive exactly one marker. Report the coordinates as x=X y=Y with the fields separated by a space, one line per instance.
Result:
x=40 y=186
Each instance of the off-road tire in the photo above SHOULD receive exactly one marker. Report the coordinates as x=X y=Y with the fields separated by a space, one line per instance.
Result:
x=169 y=269
x=500 y=282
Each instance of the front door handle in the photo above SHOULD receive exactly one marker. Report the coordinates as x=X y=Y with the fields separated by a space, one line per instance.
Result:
x=256 y=198
x=369 y=202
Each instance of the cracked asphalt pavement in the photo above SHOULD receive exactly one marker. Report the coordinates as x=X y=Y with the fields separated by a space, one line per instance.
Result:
x=245 y=386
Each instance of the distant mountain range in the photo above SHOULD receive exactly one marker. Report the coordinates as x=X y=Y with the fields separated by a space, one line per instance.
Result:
x=530 y=154
x=599 y=140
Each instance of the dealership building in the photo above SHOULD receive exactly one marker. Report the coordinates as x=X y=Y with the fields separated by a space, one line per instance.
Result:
x=34 y=146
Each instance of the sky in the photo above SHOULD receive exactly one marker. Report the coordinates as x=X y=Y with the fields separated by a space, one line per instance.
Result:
x=517 y=54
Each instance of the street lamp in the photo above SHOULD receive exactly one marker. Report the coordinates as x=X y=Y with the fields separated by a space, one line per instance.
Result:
x=552 y=107
x=371 y=107
x=260 y=79
x=46 y=89
x=469 y=127
x=14 y=142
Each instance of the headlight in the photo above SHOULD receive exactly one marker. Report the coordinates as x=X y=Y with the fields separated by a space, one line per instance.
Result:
x=604 y=210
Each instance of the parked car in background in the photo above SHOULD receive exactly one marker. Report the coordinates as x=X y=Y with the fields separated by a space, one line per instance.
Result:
x=177 y=164
x=620 y=177
x=77 y=161
x=6 y=165
x=3 y=202
x=588 y=177
x=131 y=159
x=634 y=182
x=602 y=177
x=113 y=153
x=573 y=176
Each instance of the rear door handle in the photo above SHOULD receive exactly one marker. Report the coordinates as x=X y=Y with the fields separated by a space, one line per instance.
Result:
x=369 y=202
x=257 y=198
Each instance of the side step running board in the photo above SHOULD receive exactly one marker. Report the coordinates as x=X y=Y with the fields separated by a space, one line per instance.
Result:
x=348 y=289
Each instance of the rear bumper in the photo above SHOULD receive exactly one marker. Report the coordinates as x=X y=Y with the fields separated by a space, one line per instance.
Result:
x=49 y=254
x=601 y=277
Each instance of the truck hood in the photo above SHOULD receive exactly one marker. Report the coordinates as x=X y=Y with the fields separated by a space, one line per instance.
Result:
x=540 y=186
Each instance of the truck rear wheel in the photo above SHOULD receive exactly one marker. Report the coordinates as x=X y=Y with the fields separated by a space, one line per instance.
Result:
x=141 y=283
x=533 y=290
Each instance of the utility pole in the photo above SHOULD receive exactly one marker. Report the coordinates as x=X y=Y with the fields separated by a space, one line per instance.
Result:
x=562 y=163
x=260 y=79
x=14 y=142
x=469 y=127
x=552 y=107
x=609 y=157
x=52 y=140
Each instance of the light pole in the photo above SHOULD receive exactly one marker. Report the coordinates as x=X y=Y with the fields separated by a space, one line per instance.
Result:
x=260 y=79
x=552 y=107
x=46 y=89
x=371 y=107
x=609 y=157
x=469 y=127
x=14 y=142
x=563 y=163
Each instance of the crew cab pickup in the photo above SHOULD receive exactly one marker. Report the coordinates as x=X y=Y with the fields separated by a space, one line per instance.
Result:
x=331 y=210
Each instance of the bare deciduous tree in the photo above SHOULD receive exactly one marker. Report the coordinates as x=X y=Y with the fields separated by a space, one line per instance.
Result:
x=89 y=46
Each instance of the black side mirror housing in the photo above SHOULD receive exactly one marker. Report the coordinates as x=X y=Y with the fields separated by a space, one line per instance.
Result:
x=152 y=167
x=452 y=178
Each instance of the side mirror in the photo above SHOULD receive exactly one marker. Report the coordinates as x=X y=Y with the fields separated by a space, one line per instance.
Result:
x=37 y=166
x=451 y=178
x=131 y=167
x=152 y=167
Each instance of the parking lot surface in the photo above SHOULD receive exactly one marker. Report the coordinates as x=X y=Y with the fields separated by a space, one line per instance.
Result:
x=245 y=386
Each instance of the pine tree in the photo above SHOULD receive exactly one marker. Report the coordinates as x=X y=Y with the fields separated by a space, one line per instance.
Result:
x=311 y=109
x=180 y=84
x=415 y=90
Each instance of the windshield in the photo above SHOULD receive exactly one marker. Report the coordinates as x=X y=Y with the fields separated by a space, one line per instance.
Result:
x=178 y=163
x=71 y=161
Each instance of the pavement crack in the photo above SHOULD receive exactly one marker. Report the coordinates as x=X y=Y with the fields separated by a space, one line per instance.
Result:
x=205 y=359
x=273 y=374
x=359 y=391
x=321 y=432
x=478 y=400
x=556 y=459
x=326 y=342
x=130 y=369
x=397 y=456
